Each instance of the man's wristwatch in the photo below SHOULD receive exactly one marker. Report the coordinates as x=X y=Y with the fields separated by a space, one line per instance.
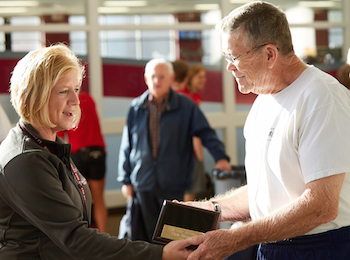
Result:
x=216 y=205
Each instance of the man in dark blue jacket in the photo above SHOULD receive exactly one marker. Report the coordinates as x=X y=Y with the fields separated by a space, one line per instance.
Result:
x=156 y=152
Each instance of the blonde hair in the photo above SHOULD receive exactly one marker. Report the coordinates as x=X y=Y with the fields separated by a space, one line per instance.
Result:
x=34 y=77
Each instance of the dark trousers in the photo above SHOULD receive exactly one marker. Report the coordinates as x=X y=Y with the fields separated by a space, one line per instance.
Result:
x=142 y=213
x=333 y=245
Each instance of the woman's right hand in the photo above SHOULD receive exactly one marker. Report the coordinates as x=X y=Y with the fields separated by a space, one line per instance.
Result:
x=177 y=250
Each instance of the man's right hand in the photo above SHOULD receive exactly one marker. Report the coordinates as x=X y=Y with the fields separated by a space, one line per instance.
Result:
x=128 y=191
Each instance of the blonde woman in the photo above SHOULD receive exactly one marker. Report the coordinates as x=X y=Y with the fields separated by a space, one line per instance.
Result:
x=45 y=203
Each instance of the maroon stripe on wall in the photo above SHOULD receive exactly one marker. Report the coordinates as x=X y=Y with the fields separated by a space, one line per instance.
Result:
x=127 y=81
x=6 y=68
x=123 y=80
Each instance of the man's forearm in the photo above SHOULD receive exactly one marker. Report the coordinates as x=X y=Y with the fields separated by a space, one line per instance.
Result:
x=234 y=204
x=317 y=205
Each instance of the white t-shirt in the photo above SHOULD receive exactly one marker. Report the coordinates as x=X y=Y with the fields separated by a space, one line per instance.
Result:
x=5 y=124
x=296 y=136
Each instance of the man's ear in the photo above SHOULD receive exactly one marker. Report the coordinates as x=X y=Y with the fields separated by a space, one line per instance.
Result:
x=272 y=54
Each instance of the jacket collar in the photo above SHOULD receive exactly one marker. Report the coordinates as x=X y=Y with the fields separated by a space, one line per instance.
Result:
x=172 y=104
x=59 y=148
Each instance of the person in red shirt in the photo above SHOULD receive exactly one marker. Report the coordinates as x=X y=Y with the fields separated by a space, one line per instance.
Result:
x=196 y=80
x=89 y=155
x=181 y=75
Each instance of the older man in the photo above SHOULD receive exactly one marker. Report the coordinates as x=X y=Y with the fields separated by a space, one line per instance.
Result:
x=156 y=152
x=297 y=148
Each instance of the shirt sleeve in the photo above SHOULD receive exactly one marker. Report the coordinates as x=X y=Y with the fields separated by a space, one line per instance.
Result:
x=124 y=167
x=324 y=140
x=202 y=129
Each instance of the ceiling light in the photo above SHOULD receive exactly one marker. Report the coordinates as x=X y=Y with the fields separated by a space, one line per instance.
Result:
x=112 y=10
x=317 y=4
x=19 y=3
x=125 y=3
x=206 y=7
x=239 y=1
x=13 y=10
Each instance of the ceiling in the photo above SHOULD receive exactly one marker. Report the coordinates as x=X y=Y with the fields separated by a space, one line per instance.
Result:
x=10 y=8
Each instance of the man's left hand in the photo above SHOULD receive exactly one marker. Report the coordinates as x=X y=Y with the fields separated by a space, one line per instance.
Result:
x=223 y=165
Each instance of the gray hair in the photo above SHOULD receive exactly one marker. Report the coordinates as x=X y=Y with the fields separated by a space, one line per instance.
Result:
x=153 y=63
x=262 y=23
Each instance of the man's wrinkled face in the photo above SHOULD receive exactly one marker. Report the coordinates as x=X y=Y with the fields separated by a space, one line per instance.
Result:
x=247 y=67
x=159 y=81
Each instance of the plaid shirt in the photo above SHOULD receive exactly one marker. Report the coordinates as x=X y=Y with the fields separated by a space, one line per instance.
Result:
x=155 y=112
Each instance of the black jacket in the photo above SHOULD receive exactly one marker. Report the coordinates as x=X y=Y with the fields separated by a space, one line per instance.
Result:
x=172 y=170
x=41 y=209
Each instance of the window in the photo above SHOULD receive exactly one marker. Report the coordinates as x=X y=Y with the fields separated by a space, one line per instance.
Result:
x=25 y=41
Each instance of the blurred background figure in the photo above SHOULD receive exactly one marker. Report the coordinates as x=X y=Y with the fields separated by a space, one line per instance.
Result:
x=156 y=151
x=181 y=75
x=343 y=73
x=5 y=124
x=89 y=155
x=196 y=81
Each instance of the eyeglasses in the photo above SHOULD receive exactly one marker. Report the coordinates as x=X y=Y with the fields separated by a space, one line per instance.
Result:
x=232 y=59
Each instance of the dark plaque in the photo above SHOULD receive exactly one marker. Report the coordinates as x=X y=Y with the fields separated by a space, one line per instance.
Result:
x=178 y=221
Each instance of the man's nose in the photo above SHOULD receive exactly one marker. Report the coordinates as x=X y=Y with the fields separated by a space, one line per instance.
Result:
x=231 y=67
x=155 y=79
